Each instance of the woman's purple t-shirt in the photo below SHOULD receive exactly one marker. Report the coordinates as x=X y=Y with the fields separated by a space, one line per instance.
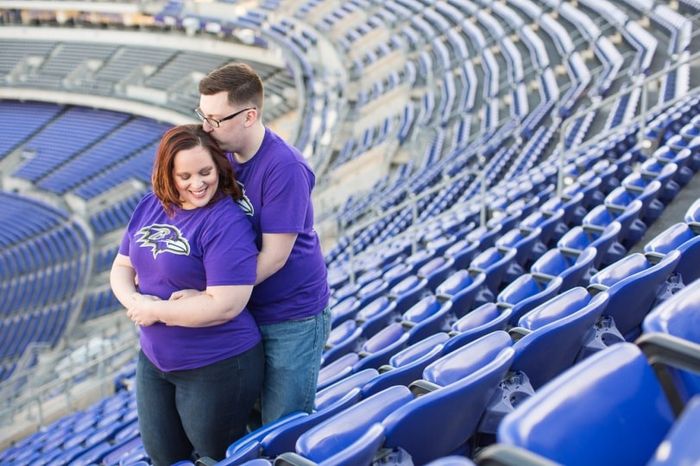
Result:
x=278 y=183
x=207 y=246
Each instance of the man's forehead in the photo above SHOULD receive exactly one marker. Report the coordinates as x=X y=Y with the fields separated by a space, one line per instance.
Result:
x=213 y=104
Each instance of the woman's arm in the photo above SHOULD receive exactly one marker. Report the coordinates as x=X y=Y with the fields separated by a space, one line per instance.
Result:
x=122 y=279
x=216 y=305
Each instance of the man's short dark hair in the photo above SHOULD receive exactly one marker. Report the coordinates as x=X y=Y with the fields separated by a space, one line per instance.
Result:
x=238 y=80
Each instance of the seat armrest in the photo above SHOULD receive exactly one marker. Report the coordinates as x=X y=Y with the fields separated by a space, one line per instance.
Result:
x=509 y=455
x=516 y=333
x=293 y=459
x=664 y=351
x=421 y=387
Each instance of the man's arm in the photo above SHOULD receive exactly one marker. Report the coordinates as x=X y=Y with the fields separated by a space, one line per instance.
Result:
x=216 y=305
x=276 y=248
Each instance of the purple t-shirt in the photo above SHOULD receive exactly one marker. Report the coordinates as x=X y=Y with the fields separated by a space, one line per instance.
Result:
x=278 y=183
x=208 y=246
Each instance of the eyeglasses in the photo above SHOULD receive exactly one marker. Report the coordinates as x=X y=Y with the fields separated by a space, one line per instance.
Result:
x=213 y=122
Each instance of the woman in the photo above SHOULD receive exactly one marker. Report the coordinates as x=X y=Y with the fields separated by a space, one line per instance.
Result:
x=201 y=363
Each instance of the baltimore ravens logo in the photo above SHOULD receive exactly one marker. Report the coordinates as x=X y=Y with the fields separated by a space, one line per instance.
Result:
x=244 y=203
x=163 y=238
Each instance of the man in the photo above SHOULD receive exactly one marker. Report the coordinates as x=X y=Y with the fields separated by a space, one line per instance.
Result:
x=290 y=299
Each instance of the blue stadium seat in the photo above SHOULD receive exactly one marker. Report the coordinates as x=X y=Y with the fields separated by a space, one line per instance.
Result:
x=350 y=437
x=605 y=242
x=280 y=436
x=608 y=410
x=680 y=445
x=464 y=289
x=692 y=215
x=679 y=237
x=679 y=316
x=483 y=320
x=633 y=284
x=572 y=268
x=467 y=378
x=631 y=228
x=493 y=263
x=407 y=365
x=562 y=323
x=526 y=293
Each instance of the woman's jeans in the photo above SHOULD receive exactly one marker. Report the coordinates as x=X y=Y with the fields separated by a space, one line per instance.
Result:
x=292 y=360
x=197 y=412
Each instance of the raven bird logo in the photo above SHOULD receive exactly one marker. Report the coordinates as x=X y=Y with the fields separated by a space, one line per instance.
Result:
x=163 y=238
x=244 y=203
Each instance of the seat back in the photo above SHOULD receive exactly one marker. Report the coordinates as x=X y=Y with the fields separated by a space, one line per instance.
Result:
x=463 y=300
x=680 y=316
x=408 y=364
x=561 y=323
x=493 y=263
x=692 y=215
x=340 y=432
x=468 y=378
x=682 y=238
x=607 y=410
x=525 y=293
x=632 y=283
x=481 y=321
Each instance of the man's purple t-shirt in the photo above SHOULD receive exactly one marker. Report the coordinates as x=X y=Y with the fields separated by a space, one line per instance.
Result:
x=278 y=182
x=207 y=246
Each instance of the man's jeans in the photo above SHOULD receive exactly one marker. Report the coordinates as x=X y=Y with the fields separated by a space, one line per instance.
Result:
x=200 y=410
x=292 y=360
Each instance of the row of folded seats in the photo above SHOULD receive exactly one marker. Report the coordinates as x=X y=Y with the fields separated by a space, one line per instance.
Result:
x=387 y=342
x=381 y=297
x=462 y=325
x=628 y=404
x=404 y=411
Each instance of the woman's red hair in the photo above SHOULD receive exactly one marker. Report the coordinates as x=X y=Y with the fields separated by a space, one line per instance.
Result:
x=181 y=138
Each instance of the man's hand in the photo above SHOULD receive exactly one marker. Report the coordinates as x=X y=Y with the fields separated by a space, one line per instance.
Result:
x=184 y=294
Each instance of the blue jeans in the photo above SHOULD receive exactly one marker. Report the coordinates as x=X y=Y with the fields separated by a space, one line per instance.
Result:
x=198 y=412
x=292 y=360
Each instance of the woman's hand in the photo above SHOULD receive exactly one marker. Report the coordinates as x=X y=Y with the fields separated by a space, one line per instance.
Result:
x=141 y=311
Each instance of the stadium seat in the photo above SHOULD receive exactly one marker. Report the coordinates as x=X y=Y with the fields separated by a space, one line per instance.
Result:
x=608 y=410
x=452 y=461
x=427 y=317
x=563 y=323
x=462 y=252
x=377 y=314
x=680 y=445
x=466 y=378
x=679 y=237
x=407 y=365
x=464 y=289
x=526 y=293
x=692 y=215
x=651 y=209
x=605 y=242
x=493 y=263
x=633 y=284
x=350 y=437
x=572 y=268
x=631 y=228
x=483 y=320
x=280 y=436
x=679 y=316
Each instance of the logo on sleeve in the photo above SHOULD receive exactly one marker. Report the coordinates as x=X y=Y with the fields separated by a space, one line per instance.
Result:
x=244 y=203
x=163 y=238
